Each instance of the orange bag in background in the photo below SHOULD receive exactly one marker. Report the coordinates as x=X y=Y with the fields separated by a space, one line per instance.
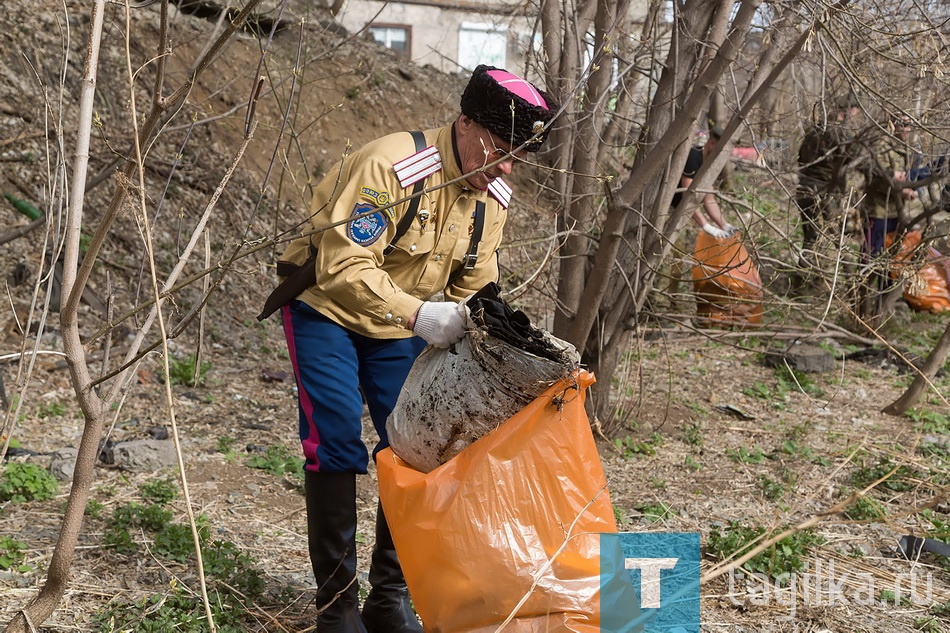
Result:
x=726 y=282
x=927 y=289
x=473 y=533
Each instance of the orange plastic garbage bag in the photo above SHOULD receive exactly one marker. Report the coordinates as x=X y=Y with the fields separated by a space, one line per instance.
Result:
x=473 y=534
x=726 y=282
x=928 y=286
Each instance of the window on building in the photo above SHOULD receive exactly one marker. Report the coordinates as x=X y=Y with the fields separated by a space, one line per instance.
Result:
x=392 y=36
x=482 y=44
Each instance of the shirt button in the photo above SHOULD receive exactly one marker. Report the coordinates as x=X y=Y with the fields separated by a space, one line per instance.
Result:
x=413 y=248
x=451 y=228
x=389 y=315
x=438 y=258
x=398 y=319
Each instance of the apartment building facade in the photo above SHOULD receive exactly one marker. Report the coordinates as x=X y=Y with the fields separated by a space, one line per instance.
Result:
x=451 y=35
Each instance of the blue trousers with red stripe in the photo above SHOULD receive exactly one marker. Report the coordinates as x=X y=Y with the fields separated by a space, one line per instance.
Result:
x=875 y=233
x=336 y=369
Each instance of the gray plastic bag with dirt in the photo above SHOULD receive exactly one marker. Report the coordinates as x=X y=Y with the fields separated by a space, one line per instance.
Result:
x=454 y=396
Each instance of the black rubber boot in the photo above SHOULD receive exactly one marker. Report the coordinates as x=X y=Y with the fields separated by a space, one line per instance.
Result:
x=387 y=608
x=331 y=536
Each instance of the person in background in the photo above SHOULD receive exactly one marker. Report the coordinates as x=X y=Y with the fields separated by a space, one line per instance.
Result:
x=823 y=161
x=889 y=197
x=707 y=216
x=372 y=307
x=889 y=202
x=915 y=166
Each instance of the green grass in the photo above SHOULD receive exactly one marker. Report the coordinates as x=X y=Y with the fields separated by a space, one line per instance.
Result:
x=159 y=491
x=797 y=449
x=743 y=455
x=653 y=512
x=278 y=461
x=758 y=390
x=787 y=381
x=630 y=447
x=692 y=464
x=182 y=371
x=51 y=410
x=790 y=380
x=772 y=489
x=13 y=555
x=940 y=529
x=900 y=481
x=94 y=508
x=21 y=482
x=225 y=446
x=866 y=509
x=785 y=557
x=930 y=421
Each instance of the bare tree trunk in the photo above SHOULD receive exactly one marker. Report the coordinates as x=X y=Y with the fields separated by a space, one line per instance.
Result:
x=718 y=114
x=923 y=379
x=57 y=576
x=668 y=138
x=562 y=41
x=75 y=278
x=651 y=239
x=638 y=231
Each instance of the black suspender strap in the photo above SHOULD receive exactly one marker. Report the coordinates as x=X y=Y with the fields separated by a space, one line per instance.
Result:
x=299 y=278
x=471 y=257
x=406 y=221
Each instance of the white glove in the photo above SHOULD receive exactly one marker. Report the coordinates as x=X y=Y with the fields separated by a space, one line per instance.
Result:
x=730 y=230
x=717 y=232
x=441 y=323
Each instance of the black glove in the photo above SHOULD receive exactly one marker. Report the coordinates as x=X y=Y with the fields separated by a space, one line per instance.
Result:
x=500 y=320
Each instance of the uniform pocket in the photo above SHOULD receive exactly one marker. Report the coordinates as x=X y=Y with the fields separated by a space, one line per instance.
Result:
x=414 y=243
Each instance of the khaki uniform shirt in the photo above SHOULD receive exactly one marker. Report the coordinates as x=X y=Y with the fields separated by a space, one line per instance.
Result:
x=883 y=199
x=359 y=288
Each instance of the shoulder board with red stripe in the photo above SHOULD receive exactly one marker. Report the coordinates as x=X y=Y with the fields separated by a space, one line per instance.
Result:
x=501 y=191
x=416 y=167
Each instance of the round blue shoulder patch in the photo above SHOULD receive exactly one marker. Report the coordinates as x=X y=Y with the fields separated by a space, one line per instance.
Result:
x=365 y=231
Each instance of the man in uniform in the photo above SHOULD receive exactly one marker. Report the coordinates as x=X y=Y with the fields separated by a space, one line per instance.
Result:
x=355 y=332
x=822 y=173
x=889 y=199
x=889 y=203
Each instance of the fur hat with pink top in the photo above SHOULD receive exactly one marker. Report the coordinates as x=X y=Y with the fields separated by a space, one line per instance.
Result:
x=509 y=107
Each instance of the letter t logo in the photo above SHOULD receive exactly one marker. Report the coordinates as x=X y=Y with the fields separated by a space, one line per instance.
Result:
x=649 y=578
